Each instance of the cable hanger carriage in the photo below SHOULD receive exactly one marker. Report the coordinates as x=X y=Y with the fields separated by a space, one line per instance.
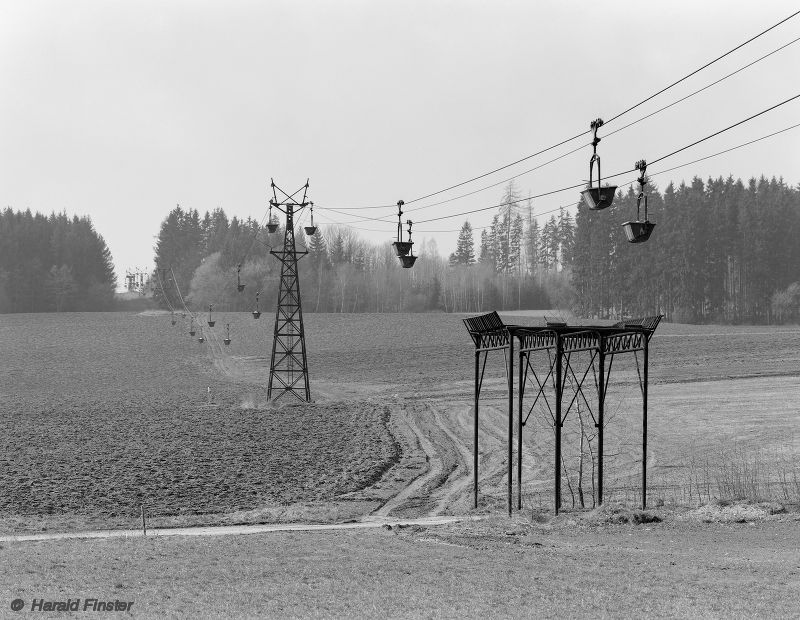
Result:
x=272 y=222
x=409 y=259
x=239 y=285
x=597 y=198
x=310 y=230
x=639 y=231
x=403 y=248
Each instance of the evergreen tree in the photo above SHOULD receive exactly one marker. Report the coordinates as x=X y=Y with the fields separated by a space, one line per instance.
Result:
x=338 y=252
x=465 y=247
x=516 y=246
x=487 y=249
x=532 y=244
x=566 y=236
x=318 y=249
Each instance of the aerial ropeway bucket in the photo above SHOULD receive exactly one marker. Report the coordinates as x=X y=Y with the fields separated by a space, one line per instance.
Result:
x=272 y=223
x=408 y=261
x=639 y=231
x=600 y=197
x=403 y=248
x=239 y=285
x=310 y=230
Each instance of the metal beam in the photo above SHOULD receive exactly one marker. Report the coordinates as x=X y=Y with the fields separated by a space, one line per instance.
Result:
x=510 y=422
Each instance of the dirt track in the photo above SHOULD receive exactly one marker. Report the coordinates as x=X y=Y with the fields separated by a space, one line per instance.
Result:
x=434 y=429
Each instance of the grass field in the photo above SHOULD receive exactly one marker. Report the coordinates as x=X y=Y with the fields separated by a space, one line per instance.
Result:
x=498 y=569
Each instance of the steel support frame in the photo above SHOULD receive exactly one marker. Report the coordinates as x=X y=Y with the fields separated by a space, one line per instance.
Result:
x=479 y=373
x=602 y=347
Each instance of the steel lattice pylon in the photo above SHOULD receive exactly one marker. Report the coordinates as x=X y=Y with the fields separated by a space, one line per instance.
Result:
x=288 y=371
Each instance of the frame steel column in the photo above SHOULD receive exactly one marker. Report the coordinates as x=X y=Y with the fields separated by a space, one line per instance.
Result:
x=475 y=431
x=519 y=430
x=601 y=402
x=510 y=421
x=557 y=471
x=644 y=425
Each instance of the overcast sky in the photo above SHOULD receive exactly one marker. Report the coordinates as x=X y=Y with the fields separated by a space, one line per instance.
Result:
x=120 y=110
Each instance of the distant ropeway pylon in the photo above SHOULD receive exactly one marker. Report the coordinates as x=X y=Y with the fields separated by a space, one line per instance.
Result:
x=288 y=370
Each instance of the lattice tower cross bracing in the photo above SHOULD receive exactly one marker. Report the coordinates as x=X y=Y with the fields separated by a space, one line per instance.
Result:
x=288 y=372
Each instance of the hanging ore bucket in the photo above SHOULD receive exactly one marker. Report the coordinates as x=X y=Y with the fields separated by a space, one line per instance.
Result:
x=192 y=331
x=401 y=248
x=272 y=223
x=239 y=285
x=597 y=198
x=639 y=231
x=210 y=321
x=310 y=230
x=257 y=312
x=227 y=340
x=408 y=260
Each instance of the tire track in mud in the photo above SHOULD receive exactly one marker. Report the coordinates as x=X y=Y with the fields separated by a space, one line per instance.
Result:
x=444 y=434
x=435 y=425
x=435 y=467
x=461 y=479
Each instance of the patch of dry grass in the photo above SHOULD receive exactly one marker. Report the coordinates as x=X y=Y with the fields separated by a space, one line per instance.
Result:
x=494 y=568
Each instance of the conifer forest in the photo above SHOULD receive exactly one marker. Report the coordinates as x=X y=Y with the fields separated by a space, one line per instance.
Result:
x=54 y=263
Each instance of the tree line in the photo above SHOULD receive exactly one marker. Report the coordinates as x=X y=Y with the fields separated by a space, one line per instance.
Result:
x=721 y=252
x=199 y=258
x=53 y=263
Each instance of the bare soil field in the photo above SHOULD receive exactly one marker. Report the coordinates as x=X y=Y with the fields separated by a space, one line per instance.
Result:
x=102 y=413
